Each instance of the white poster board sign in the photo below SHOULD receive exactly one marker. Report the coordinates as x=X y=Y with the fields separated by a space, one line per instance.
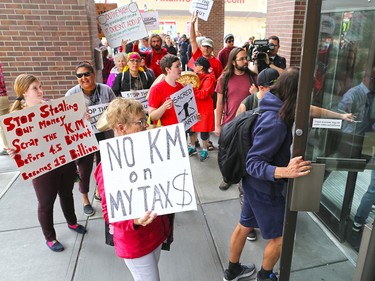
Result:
x=95 y=112
x=151 y=20
x=139 y=95
x=123 y=23
x=49 y=135
x=202 y=7
x=149 y=170
x=185 y=106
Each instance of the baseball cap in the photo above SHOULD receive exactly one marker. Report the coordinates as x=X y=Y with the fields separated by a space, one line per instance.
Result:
x=226 y=37
x=267 y=77
x=202 y=61
x=207 y=42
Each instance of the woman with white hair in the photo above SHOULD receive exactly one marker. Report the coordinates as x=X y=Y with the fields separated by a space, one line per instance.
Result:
x=120 y=63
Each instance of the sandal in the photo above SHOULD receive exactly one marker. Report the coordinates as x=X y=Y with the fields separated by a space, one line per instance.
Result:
x=210 y=146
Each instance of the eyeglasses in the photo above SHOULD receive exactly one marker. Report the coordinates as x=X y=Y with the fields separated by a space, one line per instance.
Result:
x=241 y=59
x=135 y=61
x=142 y=122
x=230 y=41
x=86 y=74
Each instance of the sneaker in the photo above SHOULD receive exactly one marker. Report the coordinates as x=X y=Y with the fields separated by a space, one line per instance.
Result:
x=357 y=227
x=88 y=210
x=197 y=144
x=77 y=228
x=192 y=151
x=97 y=198
x=210 y=146
x=224 y=186
x=271 y=277
x=204 y=155
x=252 y=236
x=55 y=246
x=247 y=270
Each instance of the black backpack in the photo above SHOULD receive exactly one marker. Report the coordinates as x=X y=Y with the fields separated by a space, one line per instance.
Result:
x=234 y=143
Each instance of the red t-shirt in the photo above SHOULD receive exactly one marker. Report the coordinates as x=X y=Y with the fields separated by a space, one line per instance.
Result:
x=238 y=90
x=214 y=62
x=158 y=94
x=154 y=62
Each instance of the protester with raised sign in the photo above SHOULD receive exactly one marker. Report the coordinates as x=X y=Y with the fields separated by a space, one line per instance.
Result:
x=94 y=93
x=203 y=97
x=59 y=181
x=120 y=63
x=138 y=241
x=133 y=77
x=160 y=105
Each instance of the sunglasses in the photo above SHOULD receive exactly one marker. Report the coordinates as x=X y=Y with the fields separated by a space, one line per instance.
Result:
x=135 y=61
x=230 y=41
x=86 y=74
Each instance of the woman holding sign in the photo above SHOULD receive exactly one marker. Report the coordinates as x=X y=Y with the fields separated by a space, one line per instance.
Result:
x=133 y=77
x=137 y=241
x=59 y=181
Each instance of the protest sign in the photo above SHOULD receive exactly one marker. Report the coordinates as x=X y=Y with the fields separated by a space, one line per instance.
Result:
x=95 y=112
x=185 y=106
x=139 y=95
x=123 y=23
x=149 y=170
x=49 y=135
x=202 y=7
x=151 y=20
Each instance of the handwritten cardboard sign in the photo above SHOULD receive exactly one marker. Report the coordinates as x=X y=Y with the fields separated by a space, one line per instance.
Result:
x=139 y=95
x=151 y=20
x=202 y=7
x=185 y=106
x=123 y=23
x=49 y=135
x=149 y=170
x=95 y=112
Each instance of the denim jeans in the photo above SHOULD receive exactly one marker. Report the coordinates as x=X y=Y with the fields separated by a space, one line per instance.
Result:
x=367 y=201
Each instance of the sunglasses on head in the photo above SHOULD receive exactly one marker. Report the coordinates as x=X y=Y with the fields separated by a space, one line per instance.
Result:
x=86 y=74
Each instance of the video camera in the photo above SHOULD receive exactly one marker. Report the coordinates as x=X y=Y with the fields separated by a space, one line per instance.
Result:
x=262 y=47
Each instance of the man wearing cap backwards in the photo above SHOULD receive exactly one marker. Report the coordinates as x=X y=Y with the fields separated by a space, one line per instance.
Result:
x=224 y=53
x=204 y=50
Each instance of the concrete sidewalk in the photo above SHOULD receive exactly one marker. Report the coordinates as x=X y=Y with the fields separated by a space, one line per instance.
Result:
x=199 y=252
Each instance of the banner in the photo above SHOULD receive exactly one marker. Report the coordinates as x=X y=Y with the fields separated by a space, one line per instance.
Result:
x=123 y=23
x=202 y=7
x=139 y=95
x=185 y=106
x=149 y=170
x=151 y=20
x=95 y=112
x=49 y=135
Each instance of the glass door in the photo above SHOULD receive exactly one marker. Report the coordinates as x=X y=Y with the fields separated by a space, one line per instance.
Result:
x=325 y=243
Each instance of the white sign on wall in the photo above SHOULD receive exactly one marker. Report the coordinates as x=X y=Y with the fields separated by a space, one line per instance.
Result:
x=149 y=170
x=185 y=106
x=49 y=135
x=123 y=23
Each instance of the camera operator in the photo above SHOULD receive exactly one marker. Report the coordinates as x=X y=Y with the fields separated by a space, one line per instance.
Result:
x=265 y=55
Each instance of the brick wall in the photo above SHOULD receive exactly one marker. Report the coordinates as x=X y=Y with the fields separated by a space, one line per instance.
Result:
x=214 y=27
x=287 y=23
x=46 y=38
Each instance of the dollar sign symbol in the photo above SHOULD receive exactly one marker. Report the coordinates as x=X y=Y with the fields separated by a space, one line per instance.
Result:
x=184 y=196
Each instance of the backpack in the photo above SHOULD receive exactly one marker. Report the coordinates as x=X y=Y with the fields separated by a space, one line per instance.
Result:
x=234 y=143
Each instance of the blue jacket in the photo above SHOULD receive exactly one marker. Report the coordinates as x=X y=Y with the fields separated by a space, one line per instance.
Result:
x=272 y=139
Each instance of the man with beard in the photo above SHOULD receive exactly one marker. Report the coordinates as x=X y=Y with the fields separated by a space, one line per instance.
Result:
x=233 y=86
x=154 y=56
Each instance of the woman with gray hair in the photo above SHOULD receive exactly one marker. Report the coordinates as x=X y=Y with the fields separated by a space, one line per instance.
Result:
x=120 y=63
